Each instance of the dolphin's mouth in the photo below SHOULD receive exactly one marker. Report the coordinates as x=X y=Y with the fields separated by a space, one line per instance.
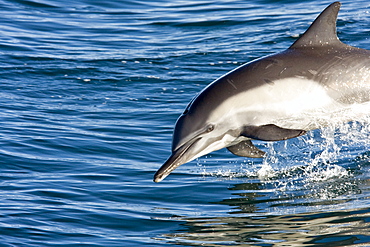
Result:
x=173 y=161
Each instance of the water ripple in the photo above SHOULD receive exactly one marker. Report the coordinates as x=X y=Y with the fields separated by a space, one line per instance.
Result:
x=90 y=91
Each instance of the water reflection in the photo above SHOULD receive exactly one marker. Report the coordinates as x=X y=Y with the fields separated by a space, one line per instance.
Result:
x=245 y=226
x=262 y=216
x=315 y=229
x=320 y=201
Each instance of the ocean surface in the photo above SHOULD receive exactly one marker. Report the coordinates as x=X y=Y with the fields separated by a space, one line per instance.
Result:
x=90 y=92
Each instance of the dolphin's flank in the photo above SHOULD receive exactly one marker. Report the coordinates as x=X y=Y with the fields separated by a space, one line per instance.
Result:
x=317 y=81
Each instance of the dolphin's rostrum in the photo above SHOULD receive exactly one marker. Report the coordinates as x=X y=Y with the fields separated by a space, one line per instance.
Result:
x=315 y=82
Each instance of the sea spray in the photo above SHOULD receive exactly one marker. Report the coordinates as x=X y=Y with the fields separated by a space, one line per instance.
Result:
x=316 y=163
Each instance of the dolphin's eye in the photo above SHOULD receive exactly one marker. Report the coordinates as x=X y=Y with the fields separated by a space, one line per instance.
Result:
x=210 y=128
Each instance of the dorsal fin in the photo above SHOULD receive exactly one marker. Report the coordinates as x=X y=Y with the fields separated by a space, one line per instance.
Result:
x=323 y=31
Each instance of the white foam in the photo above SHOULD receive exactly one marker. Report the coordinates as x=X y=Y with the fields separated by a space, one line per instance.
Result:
x=266 y=172
x=327 y=173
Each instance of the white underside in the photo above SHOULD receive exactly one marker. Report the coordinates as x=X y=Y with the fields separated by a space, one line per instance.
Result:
x=292 y=103
x=289 y=103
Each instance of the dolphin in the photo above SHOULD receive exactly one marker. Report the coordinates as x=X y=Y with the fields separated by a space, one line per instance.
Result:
x=316 y=82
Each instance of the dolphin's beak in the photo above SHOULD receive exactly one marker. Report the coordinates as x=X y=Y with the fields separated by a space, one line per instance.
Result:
x=177 y=158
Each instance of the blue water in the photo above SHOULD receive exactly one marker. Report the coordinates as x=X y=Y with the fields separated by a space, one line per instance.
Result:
x=90 y=92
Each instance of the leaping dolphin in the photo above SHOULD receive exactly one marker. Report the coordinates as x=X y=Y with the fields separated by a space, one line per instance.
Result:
x=315 y=82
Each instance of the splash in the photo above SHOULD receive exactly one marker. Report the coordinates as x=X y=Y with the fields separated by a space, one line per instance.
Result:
x=326 y=167
x=322 y=163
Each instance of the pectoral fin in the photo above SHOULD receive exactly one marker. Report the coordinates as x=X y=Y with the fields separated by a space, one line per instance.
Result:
x=270 y=132
x=246 y=149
